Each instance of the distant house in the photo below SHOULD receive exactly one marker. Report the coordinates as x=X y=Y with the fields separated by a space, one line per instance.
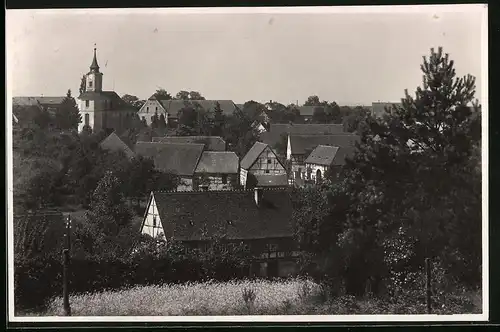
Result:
x=212 y=143
x=50 y=104
x=260 y=219
x=277 y=130
x=114 y=143
x=324 y=158
x=217 y=170
x=260 y=160
x=299 y=147
x=171 y=108
x=378 y=108
x=178 y=159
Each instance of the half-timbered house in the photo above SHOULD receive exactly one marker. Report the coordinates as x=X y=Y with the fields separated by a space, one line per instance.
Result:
x=217 y=170
x=325 y=159
x=261 y=219
x=260 y=160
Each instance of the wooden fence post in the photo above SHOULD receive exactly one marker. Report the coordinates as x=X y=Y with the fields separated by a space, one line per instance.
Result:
x=428 y=285
x=67 y=308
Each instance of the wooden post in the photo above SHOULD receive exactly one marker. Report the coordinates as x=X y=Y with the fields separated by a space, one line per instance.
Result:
x=428 y=285
x=67 y=308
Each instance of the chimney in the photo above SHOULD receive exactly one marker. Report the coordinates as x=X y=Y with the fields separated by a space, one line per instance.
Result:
x=258 y=196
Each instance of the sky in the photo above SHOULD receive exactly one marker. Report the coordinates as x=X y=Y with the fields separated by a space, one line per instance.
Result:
x=351 y=56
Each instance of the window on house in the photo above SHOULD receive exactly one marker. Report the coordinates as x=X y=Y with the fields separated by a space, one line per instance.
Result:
x=156 y=108
x=269 y=161
x=87 y=103
x=154 y=221
x=87 y=119
x=147 y=109
x=224 y=179
x=267 y=171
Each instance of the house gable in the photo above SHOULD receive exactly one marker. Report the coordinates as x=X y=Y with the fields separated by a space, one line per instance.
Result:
x=150 y=107
x=267 y=162
x=151 y=223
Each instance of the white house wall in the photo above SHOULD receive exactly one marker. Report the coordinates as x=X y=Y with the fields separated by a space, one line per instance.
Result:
x=267 y=163
x=149 y=109
x=185 y=184
x=152 y=223
x=314 y=170
x=243 y=176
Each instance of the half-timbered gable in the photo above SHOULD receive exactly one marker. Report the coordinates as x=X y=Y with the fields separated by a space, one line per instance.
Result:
x=261 y=160
x=152 y=225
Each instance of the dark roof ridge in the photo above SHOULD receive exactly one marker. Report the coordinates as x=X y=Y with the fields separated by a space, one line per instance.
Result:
x=169 y=143
x=217 y=191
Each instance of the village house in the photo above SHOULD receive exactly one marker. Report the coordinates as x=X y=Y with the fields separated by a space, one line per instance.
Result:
x=299 y=147
x=49 y=104
x=326 y=158
x=261 y=219
x=197 y=169
x=101 y=110
x=260 y=160
x=217 y=170
x=212 y=143
x=178 y=159
x=115 y=144
x=170 y=108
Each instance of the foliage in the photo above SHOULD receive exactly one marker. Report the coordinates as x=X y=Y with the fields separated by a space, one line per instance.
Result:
x=83 y=84
x=162 y=94
x=67 y=115
x=411 y=192
x=189 y=95
x=133 y=100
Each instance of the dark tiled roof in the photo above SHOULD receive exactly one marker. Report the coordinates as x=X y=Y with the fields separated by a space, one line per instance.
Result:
x=174 y=106
x=220 y=162
x=266 y=180
x=307 y=129
x=33 y=101
x=212 y=143
x=308 y=110
x=107 y=95
x=235 y=214
x=180 y=159
x=304 y=144
x=114 y=143
x=329 y=155
x=252 y=155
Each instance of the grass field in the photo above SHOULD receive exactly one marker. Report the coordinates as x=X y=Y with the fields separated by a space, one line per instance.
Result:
x=259 y=297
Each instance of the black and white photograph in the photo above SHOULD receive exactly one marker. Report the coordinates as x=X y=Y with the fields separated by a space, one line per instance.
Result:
x=259 y=164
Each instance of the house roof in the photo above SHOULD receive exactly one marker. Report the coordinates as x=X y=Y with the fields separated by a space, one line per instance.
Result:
x=233 y=214
x=212 y=143
x=252 y=155
x=180 y=159
x=307 y=129
x=115 y=143
x=218 y=162
x=305 y=144
x=33 y=101
x=106 y=95
x=329 y=155
x=173 y=106
x=267 y=180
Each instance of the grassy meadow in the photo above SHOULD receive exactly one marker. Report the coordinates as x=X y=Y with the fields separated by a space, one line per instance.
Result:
x=255 y=297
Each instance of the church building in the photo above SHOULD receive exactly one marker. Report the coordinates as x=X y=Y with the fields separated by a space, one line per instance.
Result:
x=103 y=110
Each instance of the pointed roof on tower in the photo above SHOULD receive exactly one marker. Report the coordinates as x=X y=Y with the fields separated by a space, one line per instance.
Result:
x=94 y=66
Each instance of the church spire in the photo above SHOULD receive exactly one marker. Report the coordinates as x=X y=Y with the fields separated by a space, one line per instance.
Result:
x=94 y=66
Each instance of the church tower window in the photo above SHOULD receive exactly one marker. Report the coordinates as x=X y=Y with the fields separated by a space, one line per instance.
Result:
x=87 y=120
x=87 y=103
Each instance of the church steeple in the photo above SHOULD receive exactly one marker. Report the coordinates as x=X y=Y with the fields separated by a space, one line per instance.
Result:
x=94 y=66
x=94 y=76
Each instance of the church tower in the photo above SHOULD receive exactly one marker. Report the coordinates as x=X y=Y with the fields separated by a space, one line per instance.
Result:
x=94 y=77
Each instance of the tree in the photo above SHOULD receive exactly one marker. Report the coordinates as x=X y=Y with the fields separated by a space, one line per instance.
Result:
x=67 y=115
x=83 y=84
x=355 y=121
x=186 y=95
x=240 y=134
x=133 y=101
x=162 y=94
x=314 y=101
x=162 y=124
x=182 y=95
x=155 y=121
x=319 y=115
x=333 y=113
x=219 y=120
x=195 y=95
x=409 y=193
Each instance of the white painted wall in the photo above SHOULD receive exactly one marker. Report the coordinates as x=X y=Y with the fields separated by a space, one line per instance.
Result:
x=185 y=184
x=152 y=224
x=149 y=108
